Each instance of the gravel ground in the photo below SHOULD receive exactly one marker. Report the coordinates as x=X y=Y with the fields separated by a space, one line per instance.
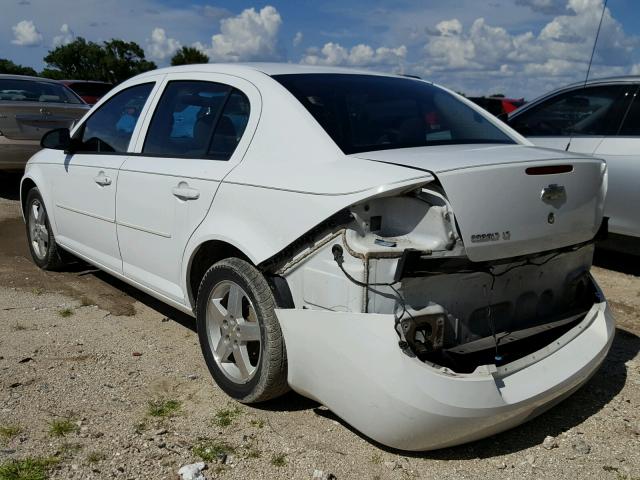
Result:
x=106 y=382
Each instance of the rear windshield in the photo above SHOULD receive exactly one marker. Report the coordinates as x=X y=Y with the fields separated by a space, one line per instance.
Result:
x=17 y=90
x=368 y=112
x=90 y=89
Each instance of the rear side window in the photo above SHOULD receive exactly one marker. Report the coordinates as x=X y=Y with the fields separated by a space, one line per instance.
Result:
x=587 y=111
x=18 y=90
x=369 y=112
x=109 y=129
x=231 y=126
x=631 y=124
x=196 y=119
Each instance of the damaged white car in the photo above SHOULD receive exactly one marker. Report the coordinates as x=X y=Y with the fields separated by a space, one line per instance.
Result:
x=374 y=242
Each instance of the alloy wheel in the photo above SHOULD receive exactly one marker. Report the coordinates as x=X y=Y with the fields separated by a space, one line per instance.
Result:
x=38 y=231
x=234 y=332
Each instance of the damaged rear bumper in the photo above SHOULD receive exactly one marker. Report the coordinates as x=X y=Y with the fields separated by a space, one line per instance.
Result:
x=351 y=363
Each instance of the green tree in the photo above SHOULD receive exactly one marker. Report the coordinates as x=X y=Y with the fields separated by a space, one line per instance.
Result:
x=113 y=61
x=123 y=60
x=189 y=55
x=7 y=66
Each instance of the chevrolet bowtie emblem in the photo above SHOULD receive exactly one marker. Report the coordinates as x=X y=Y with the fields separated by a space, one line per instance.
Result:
x=553 y=192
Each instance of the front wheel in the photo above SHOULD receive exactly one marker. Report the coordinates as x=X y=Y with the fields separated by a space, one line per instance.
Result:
x=42 y=243
x=239 y=333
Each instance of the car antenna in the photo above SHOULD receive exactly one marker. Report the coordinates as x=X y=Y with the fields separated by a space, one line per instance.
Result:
x=593 y=51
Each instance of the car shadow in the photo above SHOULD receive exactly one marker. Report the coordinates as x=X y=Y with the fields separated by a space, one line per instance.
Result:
x=187 y=321
x=10 y=185
x=607 y=382
x=617 y=261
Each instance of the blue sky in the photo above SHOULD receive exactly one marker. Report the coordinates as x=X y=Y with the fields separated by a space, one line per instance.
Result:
x=518 y=47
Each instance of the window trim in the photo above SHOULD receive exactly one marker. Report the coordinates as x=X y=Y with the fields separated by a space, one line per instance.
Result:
x=230 y=90
x=79 y=131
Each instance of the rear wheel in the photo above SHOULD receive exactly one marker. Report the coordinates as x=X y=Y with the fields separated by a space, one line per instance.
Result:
x=42 y=243
x=239 y=333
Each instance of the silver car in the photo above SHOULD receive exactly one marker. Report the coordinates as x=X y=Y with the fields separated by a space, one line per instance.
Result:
x=29 y=107
x=601 y=118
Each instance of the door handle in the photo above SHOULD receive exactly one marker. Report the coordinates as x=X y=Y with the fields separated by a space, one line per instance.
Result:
x=185 y=192
x=102 y=180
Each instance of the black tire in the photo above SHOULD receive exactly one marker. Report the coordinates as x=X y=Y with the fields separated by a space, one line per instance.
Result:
x=50 y=258
x=269 y=379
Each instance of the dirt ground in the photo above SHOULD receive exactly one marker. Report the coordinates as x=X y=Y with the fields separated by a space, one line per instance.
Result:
x=103 y=381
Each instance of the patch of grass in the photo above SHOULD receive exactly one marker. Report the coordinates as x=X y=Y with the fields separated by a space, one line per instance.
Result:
x=163 y=408
x=376 y=459
x=259 y=423
x=7 y=432
x=37 y=291
x=253 y=452
x=61 y=428
x=211 y=450
x=141 y=426
x=226 y=416
x=95 y=457
x=279 y=459
x=30 y=468
x=66 y=312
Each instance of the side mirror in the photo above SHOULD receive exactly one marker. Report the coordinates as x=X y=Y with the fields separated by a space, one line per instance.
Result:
x=58 y=139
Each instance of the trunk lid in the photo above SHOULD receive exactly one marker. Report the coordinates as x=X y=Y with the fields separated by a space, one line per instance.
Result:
x=506 y=206
x=31 y=120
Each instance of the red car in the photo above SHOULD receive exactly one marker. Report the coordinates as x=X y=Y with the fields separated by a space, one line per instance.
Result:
x=498 y=105
x=89 y=90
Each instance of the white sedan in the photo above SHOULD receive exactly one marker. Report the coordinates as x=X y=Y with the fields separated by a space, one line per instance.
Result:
x=374 y=242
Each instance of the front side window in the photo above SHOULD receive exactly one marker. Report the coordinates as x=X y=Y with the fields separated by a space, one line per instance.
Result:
x=370 y=112
x=109 y=129
x=587 y=111
x=18 y=90
x=186 y=117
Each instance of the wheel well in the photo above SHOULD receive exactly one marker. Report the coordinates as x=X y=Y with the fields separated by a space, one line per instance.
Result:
x=27 y=184
x=207 y=254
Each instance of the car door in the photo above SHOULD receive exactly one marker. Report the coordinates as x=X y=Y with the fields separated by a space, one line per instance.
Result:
x=84 y=180
x=576 y=120
x=198 y=132
x=622 y=153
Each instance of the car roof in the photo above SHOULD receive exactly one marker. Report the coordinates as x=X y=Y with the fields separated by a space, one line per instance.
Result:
x=66 y=81
x=264 y=68
x=26 y=77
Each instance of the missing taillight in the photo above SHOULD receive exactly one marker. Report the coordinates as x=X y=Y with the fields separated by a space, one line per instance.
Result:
x=549 y=170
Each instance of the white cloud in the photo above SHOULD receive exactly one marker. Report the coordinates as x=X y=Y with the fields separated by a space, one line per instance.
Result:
x=297 y=39
x=251 y=35
x=360 y=55
x=559 y=53
x=544 y=6
x=160 y=46
x=66 y=36
x=25 y=34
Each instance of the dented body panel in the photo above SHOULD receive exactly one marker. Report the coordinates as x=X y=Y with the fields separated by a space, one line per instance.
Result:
x=351 y=363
